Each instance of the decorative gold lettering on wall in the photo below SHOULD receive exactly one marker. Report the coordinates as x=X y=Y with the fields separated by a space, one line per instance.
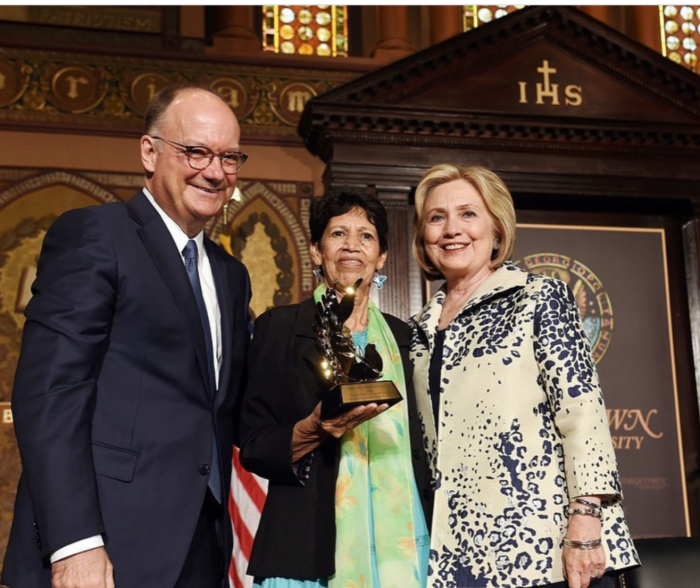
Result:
x=292 y=99
x=645 y=483
x=133 y=18
x=6 y=414
x=237 y=95
x=547 y=92
x=75 y=89
x=143 y=87
x=629 y=427
x=14 y=78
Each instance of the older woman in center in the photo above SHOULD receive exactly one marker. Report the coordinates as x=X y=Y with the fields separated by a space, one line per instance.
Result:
x=526 y=485
x=348 y=497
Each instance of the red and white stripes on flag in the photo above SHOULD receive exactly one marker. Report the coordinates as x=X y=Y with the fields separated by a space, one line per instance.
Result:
x=246 y=501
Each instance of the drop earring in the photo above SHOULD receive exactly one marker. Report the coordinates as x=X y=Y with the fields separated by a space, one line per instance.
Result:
x=318 y=273
x=496 y=244
x=378 y=280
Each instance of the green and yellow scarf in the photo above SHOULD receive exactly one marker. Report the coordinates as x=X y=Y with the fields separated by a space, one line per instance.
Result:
x=383 y=446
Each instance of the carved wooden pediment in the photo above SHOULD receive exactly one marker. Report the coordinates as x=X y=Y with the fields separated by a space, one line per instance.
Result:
x=543 y=78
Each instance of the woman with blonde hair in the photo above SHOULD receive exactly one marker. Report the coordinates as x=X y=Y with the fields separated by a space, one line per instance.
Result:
x=527 y=491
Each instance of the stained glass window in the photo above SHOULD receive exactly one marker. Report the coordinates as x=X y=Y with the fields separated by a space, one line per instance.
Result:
x=306 y=30
x=679 y=34
x=477 y=15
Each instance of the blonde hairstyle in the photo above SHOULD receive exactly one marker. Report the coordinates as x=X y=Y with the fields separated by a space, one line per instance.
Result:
x=499 y=204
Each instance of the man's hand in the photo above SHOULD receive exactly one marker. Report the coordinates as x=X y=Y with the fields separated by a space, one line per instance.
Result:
x=89 y=569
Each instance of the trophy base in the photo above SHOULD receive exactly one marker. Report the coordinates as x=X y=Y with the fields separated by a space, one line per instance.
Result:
x=344 y=397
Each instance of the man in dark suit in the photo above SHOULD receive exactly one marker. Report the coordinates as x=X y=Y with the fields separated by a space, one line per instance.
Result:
x=131 y=371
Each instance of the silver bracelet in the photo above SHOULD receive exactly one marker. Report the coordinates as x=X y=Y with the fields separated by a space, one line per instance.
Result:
x=585 y=545
x=590 y=512
x=587 y=503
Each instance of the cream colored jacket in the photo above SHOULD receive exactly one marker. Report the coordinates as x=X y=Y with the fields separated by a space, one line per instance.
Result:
x=522 y=430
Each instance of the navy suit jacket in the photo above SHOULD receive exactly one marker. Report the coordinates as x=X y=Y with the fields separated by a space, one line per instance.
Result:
x=111 y=409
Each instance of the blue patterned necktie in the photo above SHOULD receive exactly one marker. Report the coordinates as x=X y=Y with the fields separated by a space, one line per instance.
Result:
x=190 y=255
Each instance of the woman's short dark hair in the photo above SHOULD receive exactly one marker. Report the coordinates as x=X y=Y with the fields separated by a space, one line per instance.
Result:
x=339 y=202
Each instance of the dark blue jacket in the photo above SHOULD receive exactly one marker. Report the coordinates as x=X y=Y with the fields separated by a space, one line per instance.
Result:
x=110 y=403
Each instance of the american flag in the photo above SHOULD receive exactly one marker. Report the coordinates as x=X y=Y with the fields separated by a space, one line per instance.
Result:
x=245 y=504
x=247 y=497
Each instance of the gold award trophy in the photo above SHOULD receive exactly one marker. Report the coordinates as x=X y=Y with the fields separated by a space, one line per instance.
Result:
x=354 y=377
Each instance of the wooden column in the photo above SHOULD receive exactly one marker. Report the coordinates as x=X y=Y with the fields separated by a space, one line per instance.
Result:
x=170 y=27
x=602 y=13
x=417 y=284
x=392 y=34
x=192 y=22
x=691 y=253
x=395 y=297
x=445 y=22
x=235 y=31
x=645 y=25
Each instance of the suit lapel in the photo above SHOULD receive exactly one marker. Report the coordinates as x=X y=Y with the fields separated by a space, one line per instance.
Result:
x=161 y=247
x=223 y=295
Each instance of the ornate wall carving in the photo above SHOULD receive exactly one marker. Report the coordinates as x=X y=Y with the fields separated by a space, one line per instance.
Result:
x=108 y=94
x=270 y=222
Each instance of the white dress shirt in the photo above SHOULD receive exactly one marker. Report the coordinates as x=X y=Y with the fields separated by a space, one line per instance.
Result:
x=205 y=277
x=211 y=301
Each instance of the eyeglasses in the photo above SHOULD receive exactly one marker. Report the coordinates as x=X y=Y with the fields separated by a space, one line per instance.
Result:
x=200 y=158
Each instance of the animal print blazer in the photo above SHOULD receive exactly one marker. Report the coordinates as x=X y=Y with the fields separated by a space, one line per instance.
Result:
x=523 y=429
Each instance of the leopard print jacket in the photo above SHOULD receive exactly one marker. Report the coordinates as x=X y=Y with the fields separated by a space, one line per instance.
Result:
x=522 y=429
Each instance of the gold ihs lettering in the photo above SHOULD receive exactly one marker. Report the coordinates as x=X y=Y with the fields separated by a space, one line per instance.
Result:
x=7 y=416
x=573 y=95
x=547 y=90
x=523 y=92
